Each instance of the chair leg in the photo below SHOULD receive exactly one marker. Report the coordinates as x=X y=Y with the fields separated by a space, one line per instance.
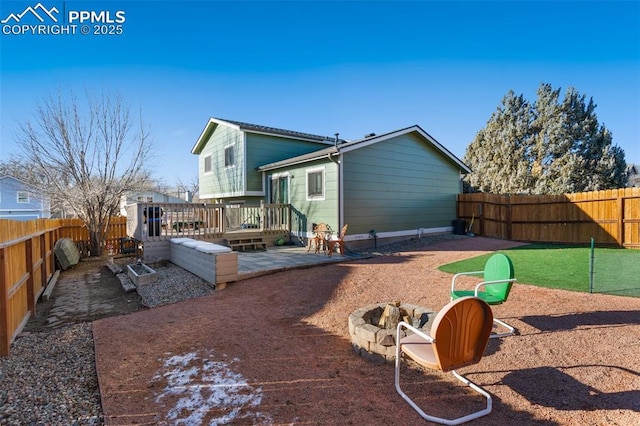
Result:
x=440 y=420
x=511 y=329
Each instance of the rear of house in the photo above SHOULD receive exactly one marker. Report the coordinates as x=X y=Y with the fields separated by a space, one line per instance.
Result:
x=393 y=186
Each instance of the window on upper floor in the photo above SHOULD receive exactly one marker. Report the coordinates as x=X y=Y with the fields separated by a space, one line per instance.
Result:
x=23 y=197
x=207 y=164
x=315 y=184
x=229 y=156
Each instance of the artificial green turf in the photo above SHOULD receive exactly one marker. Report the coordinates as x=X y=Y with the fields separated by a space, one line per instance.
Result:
x=616 y=271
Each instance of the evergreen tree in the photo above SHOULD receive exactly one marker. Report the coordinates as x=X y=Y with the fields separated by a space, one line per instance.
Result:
x=500 y=151
x=553 y=147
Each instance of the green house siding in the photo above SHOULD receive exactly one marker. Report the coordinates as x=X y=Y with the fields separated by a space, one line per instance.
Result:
x=265 y=149
x=399 y=184
x=222 y=181
x=250 y=150
x=305 y=211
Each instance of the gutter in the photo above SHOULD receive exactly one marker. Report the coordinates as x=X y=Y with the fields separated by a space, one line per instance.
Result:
x=339 y=180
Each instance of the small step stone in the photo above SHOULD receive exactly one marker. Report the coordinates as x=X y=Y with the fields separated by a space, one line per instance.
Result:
x=53 y=322
x=126 y=283
x=115 y=268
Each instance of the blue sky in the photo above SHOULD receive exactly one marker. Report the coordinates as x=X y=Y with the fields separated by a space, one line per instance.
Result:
x=328 y=67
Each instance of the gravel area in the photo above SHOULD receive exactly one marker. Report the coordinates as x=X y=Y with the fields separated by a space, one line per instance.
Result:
x=50 y=379
x=174 y=285
x=50 y=376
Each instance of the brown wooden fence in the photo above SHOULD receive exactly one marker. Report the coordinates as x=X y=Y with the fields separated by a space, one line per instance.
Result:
x=75 y=229
x=27 y=264
x=611 y=217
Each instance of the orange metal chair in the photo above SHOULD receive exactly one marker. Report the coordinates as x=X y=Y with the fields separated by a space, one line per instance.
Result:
x=319 y=233
x=458 y=338
x=337 y=242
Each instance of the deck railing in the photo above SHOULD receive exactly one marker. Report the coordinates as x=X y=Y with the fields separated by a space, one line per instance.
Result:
x=265 y=217
x=162 y=221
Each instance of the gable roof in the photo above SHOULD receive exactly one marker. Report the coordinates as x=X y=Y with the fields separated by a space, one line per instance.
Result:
x=253 y=128
x=24 y=185
x=366 y=141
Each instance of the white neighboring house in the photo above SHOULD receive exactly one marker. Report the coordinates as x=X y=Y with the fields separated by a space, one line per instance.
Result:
x=21 y=201
x=148 y=197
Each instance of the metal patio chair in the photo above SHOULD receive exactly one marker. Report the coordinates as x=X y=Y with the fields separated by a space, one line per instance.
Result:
x=458 y=338
x=498 y=277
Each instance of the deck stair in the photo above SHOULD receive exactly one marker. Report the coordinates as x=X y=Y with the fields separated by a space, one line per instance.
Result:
x=242 y=244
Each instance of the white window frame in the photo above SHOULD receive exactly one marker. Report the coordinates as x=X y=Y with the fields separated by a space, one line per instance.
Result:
x=278 y=176
x=230 y=148
x=204 y=164
x=22 y=197
x=315 y=197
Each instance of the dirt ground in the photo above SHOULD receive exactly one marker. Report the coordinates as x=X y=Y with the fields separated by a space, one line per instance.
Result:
x=276 y=350
x=102 y=295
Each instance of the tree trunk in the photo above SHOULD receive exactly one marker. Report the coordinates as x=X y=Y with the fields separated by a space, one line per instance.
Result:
x=95 y=243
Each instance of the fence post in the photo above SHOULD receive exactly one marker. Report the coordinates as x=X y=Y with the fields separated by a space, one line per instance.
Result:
x=28 y=255
x=620 y=236
x=509 y=233
x=4 y=305
x=44 y=275
x=591 y=261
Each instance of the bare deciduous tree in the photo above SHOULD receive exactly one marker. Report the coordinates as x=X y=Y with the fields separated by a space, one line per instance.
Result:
x=192 y=186
x=88 y=156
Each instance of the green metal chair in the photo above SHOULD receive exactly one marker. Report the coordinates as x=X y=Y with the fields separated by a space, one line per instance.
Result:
x=498 y=277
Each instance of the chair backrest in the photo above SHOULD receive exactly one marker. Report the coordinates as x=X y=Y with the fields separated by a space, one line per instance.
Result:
x=461 y=331
x=499 y=267
x=321 y=227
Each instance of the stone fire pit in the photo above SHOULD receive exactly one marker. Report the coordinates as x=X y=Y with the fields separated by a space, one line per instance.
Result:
x=375 y=341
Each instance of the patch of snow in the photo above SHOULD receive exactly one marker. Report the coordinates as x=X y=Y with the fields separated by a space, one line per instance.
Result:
x=199 y=387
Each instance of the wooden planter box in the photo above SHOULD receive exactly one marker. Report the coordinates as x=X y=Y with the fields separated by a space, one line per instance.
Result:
x=140 y=274
x=213 y=263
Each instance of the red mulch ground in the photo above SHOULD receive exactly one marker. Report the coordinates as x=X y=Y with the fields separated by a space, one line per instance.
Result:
x=276 y=350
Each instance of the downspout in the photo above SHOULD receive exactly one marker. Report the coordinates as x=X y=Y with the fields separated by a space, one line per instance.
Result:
x=337 y=162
